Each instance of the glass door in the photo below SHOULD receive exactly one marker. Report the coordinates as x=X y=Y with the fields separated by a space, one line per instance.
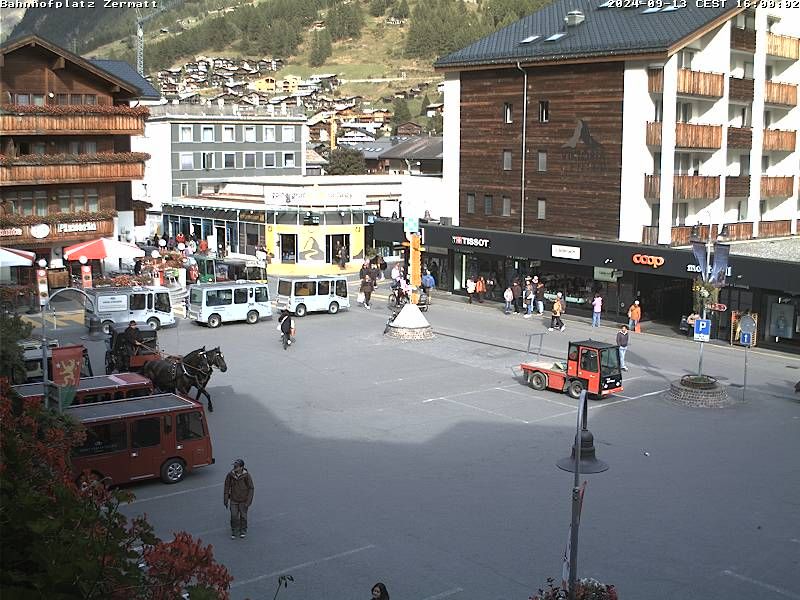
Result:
x=288 y=248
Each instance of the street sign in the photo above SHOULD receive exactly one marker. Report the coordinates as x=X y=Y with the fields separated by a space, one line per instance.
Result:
x=702 y=330
x=746 y=339
x=410 y=224
x=747 y=324
x=718 y=307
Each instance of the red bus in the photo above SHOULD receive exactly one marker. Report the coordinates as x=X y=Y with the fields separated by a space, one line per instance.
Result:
x=97 y=389
x=164 y=435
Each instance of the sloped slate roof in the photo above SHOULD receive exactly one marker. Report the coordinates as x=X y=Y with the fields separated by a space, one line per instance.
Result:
x=605 y=32
x=124 y=71
x=417 y=148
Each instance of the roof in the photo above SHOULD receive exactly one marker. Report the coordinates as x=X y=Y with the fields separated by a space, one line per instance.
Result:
x=593 y=344
x=124 y=71
x=417 y=148
x=314 y=158
x=99 y=411
x=783 y=249
x=605 y=32
x=89 y=383
x=373 y=149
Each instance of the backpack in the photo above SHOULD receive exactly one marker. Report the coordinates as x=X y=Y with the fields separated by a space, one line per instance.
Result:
x=286 y=325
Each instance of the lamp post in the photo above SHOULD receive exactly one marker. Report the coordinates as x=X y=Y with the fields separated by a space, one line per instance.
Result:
x=43 y=301
x=706 y=276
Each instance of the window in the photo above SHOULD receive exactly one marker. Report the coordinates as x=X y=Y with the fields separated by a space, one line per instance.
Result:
x=38 y=148
x=748 y=70
x=240 y=296
x=323 y=288
x=90 y=147
x=471 y=204
x=288 y=160
x=488 y=209
x=767 y=118
x=26 y=198
x=287 y=133
x=305 y=288
x=762 y=208
x=589 y=360
x=744 y=164
x=190 y=426
x=542 y=155
x=229 y=160
x=506 y=160
x=769 y=71
x=741 y=210
x=64 y=202
x=184 y=188
x=506 y=206
x=228 y=133
x=341 y=288
x=91 y=200
x=38 y=99
x=187 y=161
x=78 y=202
x=680 y=211
x=249 y=134
x=685 y=58
x=745 y=115
x=541 y=209
x=208 y=160
x=23 y=98
x=269 y=159
x=262 y=294
x=544 y=111
x=90 y=98
x=683 y=112
x=137 y=301
x=146 y=433
x=208 y=133
x=40 y=200
x=269 y=133
x=250 y=160
x=508 y=113
x=186 y=133
x=764 y=163
x=656 y=163
x=219 y=297
x=62 y=99
x=659 y=111
x=655 y=214
x=162 y=302
x=76 y=98
x=104 y=439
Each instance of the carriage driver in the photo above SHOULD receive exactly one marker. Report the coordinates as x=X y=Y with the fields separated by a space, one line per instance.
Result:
x=133 y=339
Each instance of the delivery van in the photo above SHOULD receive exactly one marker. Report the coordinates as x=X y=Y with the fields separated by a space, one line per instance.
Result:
x=217 y=303
x=300 y=295
x=146 y=304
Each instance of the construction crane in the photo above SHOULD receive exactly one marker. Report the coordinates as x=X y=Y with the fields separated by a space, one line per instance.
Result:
x=140 y=21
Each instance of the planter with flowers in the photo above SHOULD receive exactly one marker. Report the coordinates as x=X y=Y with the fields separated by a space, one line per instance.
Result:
x=586 y=589
x=703 y=294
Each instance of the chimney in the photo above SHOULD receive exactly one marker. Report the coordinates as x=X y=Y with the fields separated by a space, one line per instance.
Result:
x=574 y=17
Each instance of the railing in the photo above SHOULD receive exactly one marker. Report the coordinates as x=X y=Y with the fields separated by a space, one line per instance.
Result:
x=776 y=140
x=780 y=93
x=67 y=124
x=776 y=187
x=652 y=186
x=653 y=135
x=226 y=110
x=655 y=81
x=741 y=89
x=688 y=135
x=681 y=235
x=739 y=231
x=743 y=39
x=650 y=235
x=698 y=83
x=22 y=174
x=737 y=187
x=740 y=137
x=783 y=45
x=769 y=229
x=64 y=231
x=688 y=187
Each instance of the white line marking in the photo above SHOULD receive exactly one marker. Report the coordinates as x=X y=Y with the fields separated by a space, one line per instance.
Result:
x=535 y=397
x=795 y=540
x=637 y=377
x=491 y=412
x=761 y=584
x=444 y=594
x=470 y=392
x=206 y=487
x=250 y=523
x=303 y=565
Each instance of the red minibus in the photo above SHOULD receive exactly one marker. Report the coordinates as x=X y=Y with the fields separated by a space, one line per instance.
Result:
x=164 y=435
x=97 y=389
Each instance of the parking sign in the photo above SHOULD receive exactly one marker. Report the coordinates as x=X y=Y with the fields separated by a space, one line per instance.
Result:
x=702 y=330
x=410 y=224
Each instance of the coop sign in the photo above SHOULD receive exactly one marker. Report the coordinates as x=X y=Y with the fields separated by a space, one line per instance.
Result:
x=460 y=240
x=76 y=227
x=10 y=231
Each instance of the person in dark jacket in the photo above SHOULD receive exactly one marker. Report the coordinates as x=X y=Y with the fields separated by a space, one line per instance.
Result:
x=366 y=288
x=622 y=342
x=239 y=495
x=516 y=289
x=133 y=339
x=379 y=592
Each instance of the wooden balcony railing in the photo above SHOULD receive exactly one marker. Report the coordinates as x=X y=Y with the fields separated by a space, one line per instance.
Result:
x=769 y=229
x=783 y=45
x=650 y=235
x=743 y=39
x=682 y=235
x=655 y=81
x=68 y=124
x=739 y=231
x=776 y=140
x=698 y=83
x=688 y=135
x=737 y=187
x=653 y=135
x=776 y=187
x=784 y=94
x=23 y=174
x=740 y=138
x=700 y=187
x=652 y=186
x=741 y=89
x=67 y=231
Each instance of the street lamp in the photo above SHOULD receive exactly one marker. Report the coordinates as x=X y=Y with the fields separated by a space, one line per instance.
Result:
x=43 y=301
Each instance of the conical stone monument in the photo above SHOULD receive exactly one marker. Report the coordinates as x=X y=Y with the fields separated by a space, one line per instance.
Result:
x=410 y=324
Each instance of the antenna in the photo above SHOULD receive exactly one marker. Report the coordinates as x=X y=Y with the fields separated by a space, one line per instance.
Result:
x=140 y=21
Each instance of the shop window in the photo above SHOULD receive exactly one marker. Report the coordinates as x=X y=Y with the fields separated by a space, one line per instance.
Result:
x=471 y=204
x=506 y=206
x=269 y=133
x=228 y=133
x=145 y=433
x=186 y=133
x=249 y=134
x=541 y=209
x=269 y=159
x=187 y=161
x=287 y=133
x=207 y=133
x=506 y=160
x=249 y=160
x=488 y=209
x=508 y=112
x=542 y=161
x=544 y=111
x=229 y=160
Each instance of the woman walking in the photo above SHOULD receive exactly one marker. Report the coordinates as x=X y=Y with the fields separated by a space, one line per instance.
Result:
x=379 y=592
x=367 y=286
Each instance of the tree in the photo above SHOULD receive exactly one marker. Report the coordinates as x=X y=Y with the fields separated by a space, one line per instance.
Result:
x=378 y=7
x=435 y=124
x=400 y=10
x=346 y=161
x=400 y=111
x=12 y=363
x=320 y=48
x=73 y=542
x=424 y=106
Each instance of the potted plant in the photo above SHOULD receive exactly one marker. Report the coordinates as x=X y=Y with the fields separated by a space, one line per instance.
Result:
x=586 y=589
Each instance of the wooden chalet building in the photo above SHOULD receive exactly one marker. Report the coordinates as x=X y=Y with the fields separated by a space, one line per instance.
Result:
x=66 y=164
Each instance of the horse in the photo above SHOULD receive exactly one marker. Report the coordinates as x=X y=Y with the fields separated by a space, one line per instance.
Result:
x=180 y=374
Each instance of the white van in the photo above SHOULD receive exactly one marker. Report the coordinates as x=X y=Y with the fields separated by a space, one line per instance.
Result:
x=146 y=304
x=300 y=295
x=217 y=303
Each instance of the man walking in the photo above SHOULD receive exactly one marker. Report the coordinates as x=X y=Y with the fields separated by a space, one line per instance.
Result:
x=539 y=287
x=239 y=494
x=622 y=342
x=634 y=316
x=287 y=328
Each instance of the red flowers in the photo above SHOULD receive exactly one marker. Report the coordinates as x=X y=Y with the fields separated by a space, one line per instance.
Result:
x=74 y=109
x=60 y=159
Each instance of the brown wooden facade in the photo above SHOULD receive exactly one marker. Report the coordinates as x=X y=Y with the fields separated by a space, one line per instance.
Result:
x=573 y=159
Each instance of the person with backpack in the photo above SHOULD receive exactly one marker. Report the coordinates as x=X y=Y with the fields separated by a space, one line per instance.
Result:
x=287 y=328
x=558 y=309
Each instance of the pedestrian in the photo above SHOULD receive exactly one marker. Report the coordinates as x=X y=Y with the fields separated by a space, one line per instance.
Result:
x=133 y=340
x=480 y=288
x=239 y=494
x=470 y=288
x=508 y=296
x=516 y=289
x=555 y=319
x=428 y=282
x=365 y=269
x=137 y=266
x=622 y=342
x=286 y=323
x=397 y=272
x=379 y=592
x=634 y=316
x=529 y=299
x=366 y=290
x=597 y=307
x=539 y=286
x=491 y=282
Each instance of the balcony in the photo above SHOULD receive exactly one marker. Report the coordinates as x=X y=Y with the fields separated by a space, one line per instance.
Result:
x=653 y=135
x=68 y=229
x=737 y=187
x=652 y=187
x=783 y=94
x=776 y=187
x=707 y=137
x=768 y=229
x=776 y=140
x=655 y=81
x=743 y=40
x=783 y=46
x=741 y=89
x=19 y=120
x=740 y=138
x=698 y=83
x=71 y=168
x=682 y=235
x=685 y=187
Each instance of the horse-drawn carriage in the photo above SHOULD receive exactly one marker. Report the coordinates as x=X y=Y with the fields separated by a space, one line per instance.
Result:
x=121 y=357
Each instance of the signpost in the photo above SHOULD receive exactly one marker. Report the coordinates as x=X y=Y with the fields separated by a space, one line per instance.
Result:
x=702 y=333
x=747 y=327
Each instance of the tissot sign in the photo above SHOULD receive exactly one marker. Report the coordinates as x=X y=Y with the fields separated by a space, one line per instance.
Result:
x=475 y=242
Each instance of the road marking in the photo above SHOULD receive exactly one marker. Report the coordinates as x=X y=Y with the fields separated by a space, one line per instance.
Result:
x=469 y=393
x=491 y=412
x=762 y=584
x=444 y=594
x=161 y=497
x=637 y=377
x=250 y=523
x=310 y=563
x=627 y=398
x=536 y=397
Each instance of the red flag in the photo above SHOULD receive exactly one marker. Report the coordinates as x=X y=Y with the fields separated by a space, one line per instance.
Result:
x=67 y=365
